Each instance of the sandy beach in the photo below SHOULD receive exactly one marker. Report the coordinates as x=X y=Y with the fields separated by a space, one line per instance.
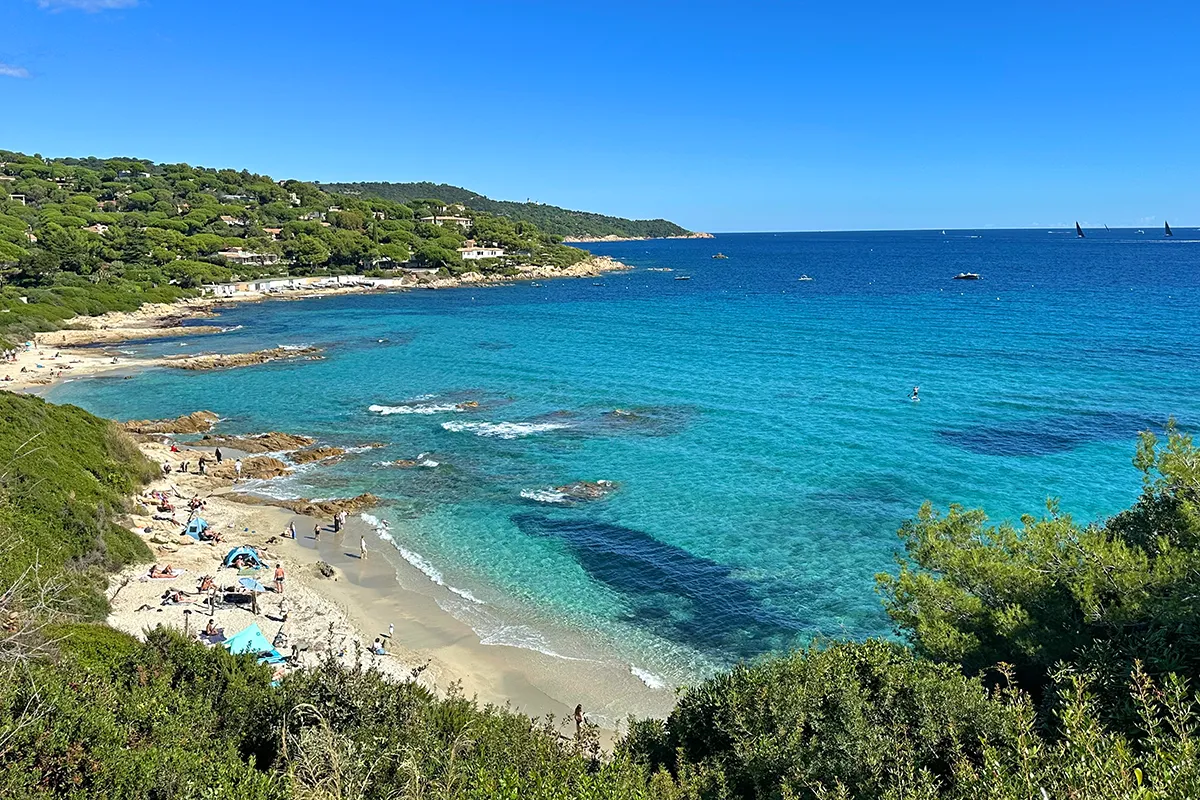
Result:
x=341 y=616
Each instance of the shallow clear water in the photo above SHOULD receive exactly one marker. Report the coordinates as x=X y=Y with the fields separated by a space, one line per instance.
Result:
x=771 y=451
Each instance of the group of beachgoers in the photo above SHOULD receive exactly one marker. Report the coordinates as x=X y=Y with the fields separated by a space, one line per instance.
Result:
x=11 y=356
x=338 y=525
x=185 y=467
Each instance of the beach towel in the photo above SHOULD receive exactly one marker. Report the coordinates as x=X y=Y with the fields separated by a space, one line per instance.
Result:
x=170 y=577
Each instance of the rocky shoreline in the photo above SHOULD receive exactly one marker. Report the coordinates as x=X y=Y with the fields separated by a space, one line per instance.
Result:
x=231 y=360
x=615 y=238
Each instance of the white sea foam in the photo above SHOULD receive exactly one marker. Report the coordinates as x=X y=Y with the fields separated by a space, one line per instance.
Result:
x=423 y=408
x=429 y=463
x=647 y=677
x=463 y=593
x=370 y=519
x=363 y=448
x=420 y=562
x=503 y=430
x=545 y=495
x=293 y=346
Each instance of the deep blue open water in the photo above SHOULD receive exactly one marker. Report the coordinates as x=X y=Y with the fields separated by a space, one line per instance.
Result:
x=770 y=451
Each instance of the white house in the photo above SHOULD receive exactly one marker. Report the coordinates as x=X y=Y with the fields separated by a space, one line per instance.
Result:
x=240 y=255
x=99 y=228
x=228 y=220
x=473 y=252
x=433 y=219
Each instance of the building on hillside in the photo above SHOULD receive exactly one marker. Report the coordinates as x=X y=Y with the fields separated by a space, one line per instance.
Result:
x=99 y=229
x=29 y=235
x=124 y=173
x=334 y=209
x=233 y=198
x=8 y=177
x=240 y=255
x=228 y=220
x=274 y=233
x=437 y=219
x=312 y=216
x=17 y=198
x=379 y=215
x=294 y=198
x=473 y=252
x=143 y=174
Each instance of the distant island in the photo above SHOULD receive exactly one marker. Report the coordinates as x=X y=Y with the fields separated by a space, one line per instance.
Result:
x=577 y=226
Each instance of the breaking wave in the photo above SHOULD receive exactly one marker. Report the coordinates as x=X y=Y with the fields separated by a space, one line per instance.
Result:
x=422 y=408
x=545 y=496
x=647 y=677
x=503 y=430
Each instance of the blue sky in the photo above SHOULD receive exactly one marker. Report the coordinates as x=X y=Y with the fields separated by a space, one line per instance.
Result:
x=720 y=116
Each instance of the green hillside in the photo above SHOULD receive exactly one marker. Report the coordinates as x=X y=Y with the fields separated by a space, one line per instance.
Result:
x=551 y=219
x=85 y=236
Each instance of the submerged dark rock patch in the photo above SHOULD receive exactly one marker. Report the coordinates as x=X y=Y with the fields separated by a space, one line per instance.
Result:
x=670 y=591
x=1049 y=435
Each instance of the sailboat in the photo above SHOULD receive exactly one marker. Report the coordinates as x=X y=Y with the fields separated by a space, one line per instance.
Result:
x=1105 y=227
x=1167 y=225
x=1079 y=231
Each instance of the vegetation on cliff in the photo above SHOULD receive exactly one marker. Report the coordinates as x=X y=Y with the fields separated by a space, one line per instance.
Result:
x=551 y=219
x=1048 y=660
x=85 y=236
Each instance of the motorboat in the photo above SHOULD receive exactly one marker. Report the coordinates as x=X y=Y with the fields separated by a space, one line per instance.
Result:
x=804 y=278
x=720 y=255
x=967 y=276
x=683 y=277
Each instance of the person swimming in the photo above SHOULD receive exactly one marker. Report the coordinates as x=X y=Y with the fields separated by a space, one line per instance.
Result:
x=915 y=394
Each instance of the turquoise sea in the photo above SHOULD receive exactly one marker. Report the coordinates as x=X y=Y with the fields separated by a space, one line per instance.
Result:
x=769 y=452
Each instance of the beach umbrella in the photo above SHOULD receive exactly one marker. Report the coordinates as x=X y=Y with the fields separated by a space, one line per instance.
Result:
x=252 y=584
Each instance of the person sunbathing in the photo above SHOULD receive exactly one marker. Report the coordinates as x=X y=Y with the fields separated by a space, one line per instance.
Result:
x=212 y=630
x=167 y=572
x=206 y=584
x=176 y=597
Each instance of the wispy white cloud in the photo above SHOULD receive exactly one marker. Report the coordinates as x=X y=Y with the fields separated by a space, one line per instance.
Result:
x=85 y=5
x=9 y=71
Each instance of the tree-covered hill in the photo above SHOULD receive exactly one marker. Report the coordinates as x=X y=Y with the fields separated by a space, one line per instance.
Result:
x=84 y=236
x=552 y=219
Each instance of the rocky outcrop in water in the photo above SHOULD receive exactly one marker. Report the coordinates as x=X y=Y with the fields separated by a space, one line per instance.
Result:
x=270 y=442
x=231 y=360
x=586 y=490
x=328 y=454
x=196 y=422
x=309 y=508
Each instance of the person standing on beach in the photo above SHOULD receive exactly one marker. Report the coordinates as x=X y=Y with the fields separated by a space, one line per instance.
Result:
x=578 y=718
x=292 y=529
x=279 y=577
x=237 y=468
x=362 y=548
x=317 y=531
x=337 y=523
x=218 y=455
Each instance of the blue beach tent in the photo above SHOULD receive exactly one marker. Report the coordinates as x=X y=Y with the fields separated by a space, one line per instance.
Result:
x=196 y=527
x=247 y=553
x=251 y=640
